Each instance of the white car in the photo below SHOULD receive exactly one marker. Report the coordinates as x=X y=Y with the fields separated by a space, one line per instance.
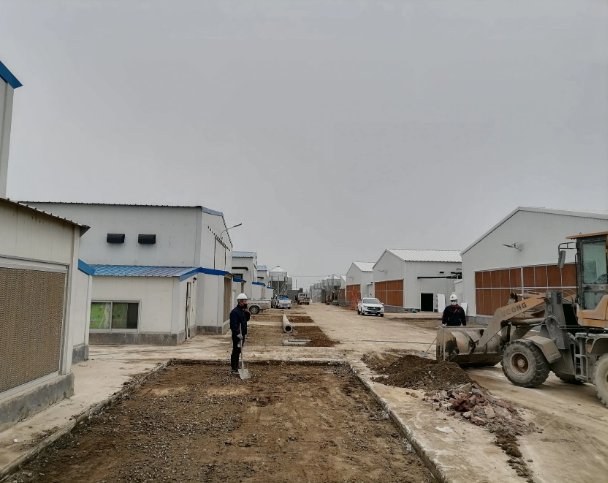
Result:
x=370 y=306
x=283 y=303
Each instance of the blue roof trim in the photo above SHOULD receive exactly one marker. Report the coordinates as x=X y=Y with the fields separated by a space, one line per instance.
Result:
x=8 y=76
x=212 y=271
x=189 y=274
x=270 y=288
x=238 y=280
x=259 y=283
x=83 y=267
x=143 y=271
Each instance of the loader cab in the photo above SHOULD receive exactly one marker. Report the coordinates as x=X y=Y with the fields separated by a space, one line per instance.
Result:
x=592 y=268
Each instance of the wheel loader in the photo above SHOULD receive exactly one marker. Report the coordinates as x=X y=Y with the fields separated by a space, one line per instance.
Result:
x=535 y=334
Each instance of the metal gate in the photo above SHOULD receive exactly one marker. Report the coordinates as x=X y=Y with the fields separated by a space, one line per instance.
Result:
x=31 y=319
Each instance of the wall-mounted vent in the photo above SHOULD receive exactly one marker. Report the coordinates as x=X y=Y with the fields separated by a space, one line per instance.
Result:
x=146 y=239
x=116 y=238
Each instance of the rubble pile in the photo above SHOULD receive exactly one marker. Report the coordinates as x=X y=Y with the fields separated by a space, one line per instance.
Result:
x=474 y=403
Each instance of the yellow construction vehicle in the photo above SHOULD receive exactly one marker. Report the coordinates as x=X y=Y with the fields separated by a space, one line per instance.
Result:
x=538 y=333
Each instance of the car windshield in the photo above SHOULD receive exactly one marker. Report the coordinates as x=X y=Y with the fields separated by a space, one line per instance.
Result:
x=371 y=301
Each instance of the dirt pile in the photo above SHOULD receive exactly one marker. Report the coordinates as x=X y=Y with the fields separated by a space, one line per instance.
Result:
x=300 y=319
x=315 y=334
x=416 y=372
x=474 y=403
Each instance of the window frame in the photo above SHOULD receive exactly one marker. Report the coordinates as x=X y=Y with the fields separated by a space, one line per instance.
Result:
x=112 y=302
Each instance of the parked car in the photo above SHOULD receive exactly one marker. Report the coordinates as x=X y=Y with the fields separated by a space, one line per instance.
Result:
x=370 y=306
x=283 y=303
x=303 y=299
x=256 y=306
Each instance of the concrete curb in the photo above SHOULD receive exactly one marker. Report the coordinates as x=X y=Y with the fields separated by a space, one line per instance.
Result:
x=134 y=383
x=431 y=463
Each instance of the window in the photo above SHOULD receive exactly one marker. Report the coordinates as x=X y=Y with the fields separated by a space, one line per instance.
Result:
x=114 y=316
x=115 y=238
x=594 y=261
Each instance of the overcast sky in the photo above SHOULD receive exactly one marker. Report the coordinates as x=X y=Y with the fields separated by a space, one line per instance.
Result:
x=331 y=129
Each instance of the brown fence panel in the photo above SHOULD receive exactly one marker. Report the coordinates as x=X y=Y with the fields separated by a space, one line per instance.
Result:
x=554 y=276
x=479 y=279
x=569 y=275
x=503 y=279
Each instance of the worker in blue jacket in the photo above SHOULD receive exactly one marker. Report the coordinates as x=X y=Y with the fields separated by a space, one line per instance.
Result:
x=453 y=314
x=238 y=325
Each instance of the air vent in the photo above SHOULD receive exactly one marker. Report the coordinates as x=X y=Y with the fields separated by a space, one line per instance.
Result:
x=146 y=239
x=116 y=238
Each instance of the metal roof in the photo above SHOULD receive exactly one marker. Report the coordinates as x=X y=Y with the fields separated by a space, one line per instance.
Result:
x=364 y=266
x=243 y=254
x=427 y=255
x=599 y=214
x=8 y=77
x=139 y=271
x=262 y=268
x=83 y=228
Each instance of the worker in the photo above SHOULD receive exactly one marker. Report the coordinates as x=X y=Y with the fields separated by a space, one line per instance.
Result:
x=453 y=314
x=238 y=325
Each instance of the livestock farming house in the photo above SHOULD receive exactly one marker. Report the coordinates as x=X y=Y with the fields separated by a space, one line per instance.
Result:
x=162 y=273
x=44 y=294
x=359 y=281
x=519 y=254
x=415 y=279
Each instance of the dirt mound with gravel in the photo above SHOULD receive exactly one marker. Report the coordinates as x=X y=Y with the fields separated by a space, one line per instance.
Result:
x=300 y=319
x=416 y=372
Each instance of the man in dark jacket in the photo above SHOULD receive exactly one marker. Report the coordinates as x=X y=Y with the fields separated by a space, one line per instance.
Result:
x=453 y=314
x=238 y=325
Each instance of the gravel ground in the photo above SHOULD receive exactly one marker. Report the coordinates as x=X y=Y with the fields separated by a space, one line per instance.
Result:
x=288 y=423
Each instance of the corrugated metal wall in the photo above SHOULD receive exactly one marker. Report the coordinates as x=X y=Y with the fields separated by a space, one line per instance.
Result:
x=390 y=292
x=492 y=287
x=31 y=319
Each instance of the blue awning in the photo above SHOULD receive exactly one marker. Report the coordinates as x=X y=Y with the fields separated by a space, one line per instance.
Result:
x=138 y=271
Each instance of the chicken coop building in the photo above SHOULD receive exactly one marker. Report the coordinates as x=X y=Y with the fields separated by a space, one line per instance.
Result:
x=359 y=281
x=413 y=279
x=519 y=254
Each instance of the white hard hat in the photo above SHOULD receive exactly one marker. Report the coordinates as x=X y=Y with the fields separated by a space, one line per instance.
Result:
x=453 y=297
x=242 y=296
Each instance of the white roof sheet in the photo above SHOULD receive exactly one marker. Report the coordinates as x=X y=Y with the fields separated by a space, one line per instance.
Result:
x=428 y=255
x=365 y=266
x=601 y=214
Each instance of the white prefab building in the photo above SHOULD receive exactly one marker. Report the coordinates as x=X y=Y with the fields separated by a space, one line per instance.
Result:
x=359 y=281
x=519 y=254
x=245 y=267
x=41 y=291
x=141 y=237
x=143 y=305
x=413 y=279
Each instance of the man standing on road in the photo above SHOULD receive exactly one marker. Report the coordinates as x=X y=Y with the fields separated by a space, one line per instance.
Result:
x=238 y=325
x=453 y=314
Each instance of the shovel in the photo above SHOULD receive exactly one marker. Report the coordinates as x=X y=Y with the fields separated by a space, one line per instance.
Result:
x=243 y=371
x=425 y=353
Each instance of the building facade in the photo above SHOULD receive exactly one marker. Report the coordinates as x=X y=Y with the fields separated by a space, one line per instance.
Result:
x=245 y=267
x=412 y=279
x=519 y=254
x=172 y=238
x=359 y=281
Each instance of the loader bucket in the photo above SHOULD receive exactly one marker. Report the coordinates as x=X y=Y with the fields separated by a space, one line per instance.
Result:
x=459 y=344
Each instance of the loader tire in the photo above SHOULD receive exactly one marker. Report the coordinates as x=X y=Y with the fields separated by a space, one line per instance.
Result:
x=524 y=364
x=569 y=379
x=600 y=379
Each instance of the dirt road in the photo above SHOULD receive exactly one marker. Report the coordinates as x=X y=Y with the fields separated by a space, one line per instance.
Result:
x=198 y=423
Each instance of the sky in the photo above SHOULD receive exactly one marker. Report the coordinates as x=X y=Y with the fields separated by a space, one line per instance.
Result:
x=331 y=129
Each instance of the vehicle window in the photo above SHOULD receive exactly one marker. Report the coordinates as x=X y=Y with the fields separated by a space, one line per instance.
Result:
x=371 y=301
x=594 y=261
